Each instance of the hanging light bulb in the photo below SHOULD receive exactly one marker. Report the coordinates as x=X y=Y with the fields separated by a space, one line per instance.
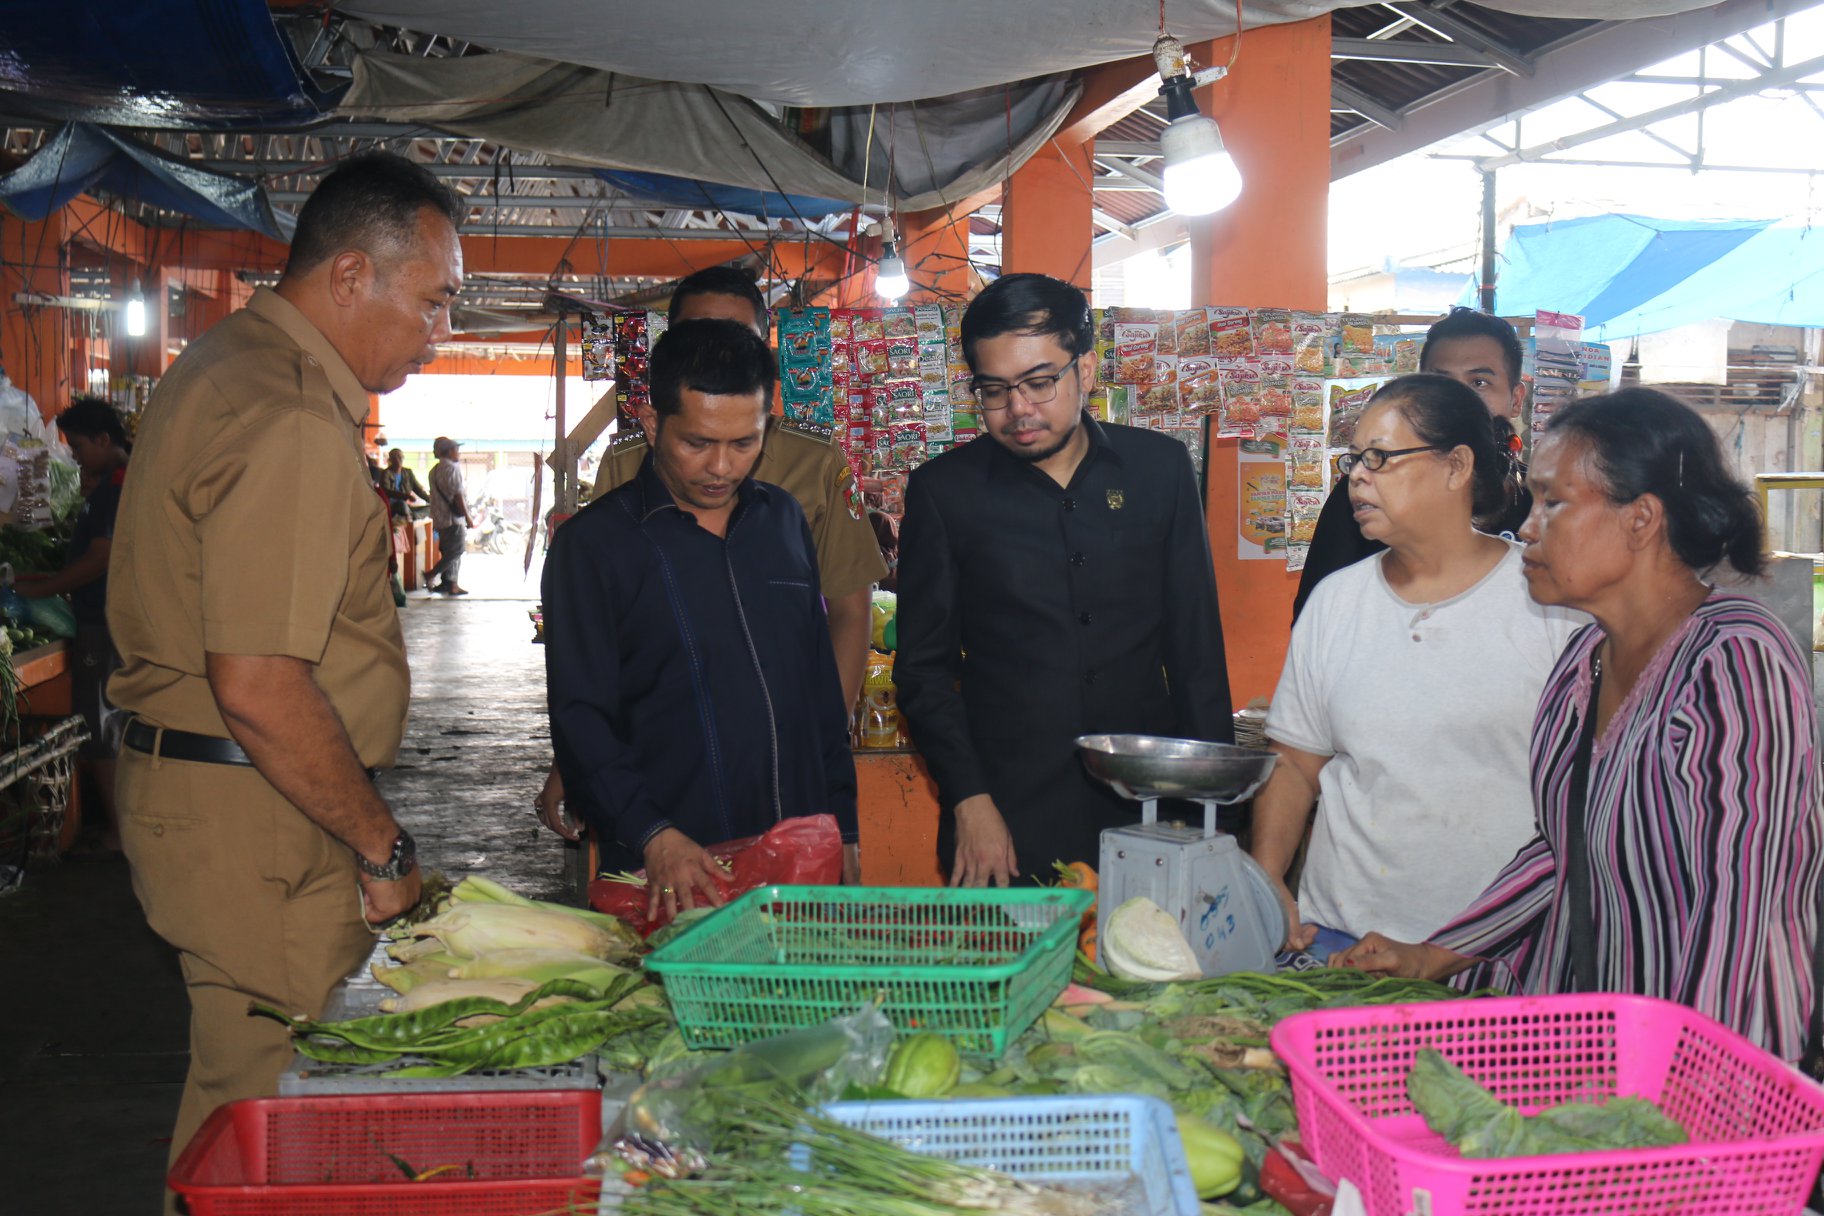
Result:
x=1200 y=173
x=890 y=279
x=136 y=315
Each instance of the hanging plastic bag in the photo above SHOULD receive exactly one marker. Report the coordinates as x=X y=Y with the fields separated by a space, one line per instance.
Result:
x=804 y=851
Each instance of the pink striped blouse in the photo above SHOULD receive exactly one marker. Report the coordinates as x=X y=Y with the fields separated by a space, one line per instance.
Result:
x=1705 y=828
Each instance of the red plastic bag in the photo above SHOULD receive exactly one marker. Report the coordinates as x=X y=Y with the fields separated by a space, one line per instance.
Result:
x=806 y=851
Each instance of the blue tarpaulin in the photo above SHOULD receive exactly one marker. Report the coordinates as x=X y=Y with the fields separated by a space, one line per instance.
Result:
x=79 y=158
x=698 y=196
x=178 y=64
x=1605 y=265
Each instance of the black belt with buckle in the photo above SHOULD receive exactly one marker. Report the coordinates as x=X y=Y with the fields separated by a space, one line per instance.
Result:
x=183 y=745
x=168 y=744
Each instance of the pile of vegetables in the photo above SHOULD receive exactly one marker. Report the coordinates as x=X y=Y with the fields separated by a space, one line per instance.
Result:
x=488 y=979
x=1479 y=1124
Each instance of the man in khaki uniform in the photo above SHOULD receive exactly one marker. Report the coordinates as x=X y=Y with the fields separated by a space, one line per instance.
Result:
x=805 y=462
x=261 y=653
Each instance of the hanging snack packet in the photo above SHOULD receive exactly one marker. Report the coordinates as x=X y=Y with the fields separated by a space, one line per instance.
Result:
x=1193 y=333
x=1307 y=406
x=1199 y=386
x=1358 y=334
x=1313 y=342
x=899 y=322
x=1272 y=331
x=866 y=325
x=1231 y=333
x=1240 y=399
x=902 y=356
x=871 y=358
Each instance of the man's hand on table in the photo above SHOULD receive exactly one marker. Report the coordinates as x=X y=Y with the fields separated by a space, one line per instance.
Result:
x=984 y=846
x=680 y=873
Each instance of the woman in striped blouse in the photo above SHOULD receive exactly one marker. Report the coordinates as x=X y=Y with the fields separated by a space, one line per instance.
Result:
x=1703 y=831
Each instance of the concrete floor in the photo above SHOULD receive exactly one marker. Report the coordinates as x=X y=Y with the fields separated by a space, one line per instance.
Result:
x=94 y=1021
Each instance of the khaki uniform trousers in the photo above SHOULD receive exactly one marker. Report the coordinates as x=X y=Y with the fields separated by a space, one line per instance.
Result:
x=261 y=904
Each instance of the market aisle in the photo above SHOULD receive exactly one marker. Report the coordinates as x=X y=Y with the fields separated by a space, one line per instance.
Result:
x=93 y=1029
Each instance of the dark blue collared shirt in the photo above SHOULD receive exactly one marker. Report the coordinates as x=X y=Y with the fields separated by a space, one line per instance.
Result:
x=690 y=676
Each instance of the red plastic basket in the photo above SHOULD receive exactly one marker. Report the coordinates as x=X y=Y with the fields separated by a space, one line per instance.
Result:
x=1756 y=1125
x=512 y=1153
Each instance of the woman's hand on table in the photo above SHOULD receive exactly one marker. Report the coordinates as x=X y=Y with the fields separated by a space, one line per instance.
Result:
x=1299 y=935
x=1378 y=954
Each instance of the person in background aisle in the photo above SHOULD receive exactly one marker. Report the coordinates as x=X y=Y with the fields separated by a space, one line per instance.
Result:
x=1472 y=348
x=1410 y=684
x=449 y=515
x=401 y=486
x=98 y=439
x=802 y=461
x=1674 y=754
x=1054 y=580
x=261 y=655
x=888 y=540
x=692 y=686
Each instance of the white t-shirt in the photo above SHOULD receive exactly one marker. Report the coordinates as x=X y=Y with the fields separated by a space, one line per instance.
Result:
x=1426 y=711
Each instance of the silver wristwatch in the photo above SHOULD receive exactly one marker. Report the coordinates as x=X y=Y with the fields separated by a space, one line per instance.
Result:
x=400 y=862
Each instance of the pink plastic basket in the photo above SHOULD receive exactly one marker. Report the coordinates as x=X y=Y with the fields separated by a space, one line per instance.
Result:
x=1756 y=1125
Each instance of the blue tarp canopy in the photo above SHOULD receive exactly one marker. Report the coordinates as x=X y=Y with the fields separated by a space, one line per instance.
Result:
x=1631 y=274
x=79 y=158
x=178 y=64
x=698 y=196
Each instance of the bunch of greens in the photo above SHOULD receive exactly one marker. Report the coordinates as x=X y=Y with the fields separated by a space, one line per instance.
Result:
x=1480 y=1125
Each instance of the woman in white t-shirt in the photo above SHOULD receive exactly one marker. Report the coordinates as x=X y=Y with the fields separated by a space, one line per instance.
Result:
x=1406 y=704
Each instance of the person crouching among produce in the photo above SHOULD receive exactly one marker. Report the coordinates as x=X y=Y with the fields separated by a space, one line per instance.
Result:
x=98 y=440
x=1674 y=757
x=1410 y=683
x=693 y=689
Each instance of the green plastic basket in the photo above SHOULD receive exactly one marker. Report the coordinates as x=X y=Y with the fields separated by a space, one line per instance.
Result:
x=976 y=966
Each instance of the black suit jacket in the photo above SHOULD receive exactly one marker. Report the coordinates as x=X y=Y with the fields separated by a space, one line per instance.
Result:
x=1031 y=613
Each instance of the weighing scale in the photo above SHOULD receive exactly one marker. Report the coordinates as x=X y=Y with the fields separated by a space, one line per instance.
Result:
x=1226 y=906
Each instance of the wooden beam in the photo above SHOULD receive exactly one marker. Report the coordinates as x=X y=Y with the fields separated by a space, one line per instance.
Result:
x=1111 y=91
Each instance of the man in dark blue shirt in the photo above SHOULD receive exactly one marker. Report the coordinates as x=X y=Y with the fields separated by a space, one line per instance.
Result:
x=692 y=686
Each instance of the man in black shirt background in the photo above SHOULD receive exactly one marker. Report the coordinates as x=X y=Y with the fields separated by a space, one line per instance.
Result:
x=1054 y=580
x=1475 y=348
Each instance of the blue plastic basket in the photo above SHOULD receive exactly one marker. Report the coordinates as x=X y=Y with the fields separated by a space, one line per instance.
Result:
x=1082 y=1138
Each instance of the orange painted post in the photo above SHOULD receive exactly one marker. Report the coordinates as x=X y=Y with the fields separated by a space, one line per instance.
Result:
x=1266 y=249
x=1045 y=225
x=36 y=341
x=897 y=804
x=936 y=251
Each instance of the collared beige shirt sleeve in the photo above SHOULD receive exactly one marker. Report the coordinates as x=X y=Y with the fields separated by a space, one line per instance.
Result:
x=274 y=510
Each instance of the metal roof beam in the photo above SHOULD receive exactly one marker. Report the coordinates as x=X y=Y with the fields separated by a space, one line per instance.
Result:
x=1127 y=147
x=1691 y=105
x=1132 y=172
x=1653 y=164
x=1447 y=25
x=1109 y=223
x=1590 y=57
x=1449 y=54
x=1351 y=98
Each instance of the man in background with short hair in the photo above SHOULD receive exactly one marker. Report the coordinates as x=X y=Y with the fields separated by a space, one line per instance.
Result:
x=449 y=515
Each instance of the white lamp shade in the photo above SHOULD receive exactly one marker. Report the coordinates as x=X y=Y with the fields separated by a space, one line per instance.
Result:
x=1200 y=175
x=890 y=279
x=136 y=318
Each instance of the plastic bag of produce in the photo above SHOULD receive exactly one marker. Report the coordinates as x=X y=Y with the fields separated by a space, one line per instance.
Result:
x=806 y=851
x=672 y=1115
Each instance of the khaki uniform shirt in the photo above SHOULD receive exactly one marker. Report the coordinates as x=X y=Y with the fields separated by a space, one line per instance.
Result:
x=250 y=527
x=811 y=470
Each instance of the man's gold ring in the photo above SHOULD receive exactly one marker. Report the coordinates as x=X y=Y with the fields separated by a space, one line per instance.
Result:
x=664 y=890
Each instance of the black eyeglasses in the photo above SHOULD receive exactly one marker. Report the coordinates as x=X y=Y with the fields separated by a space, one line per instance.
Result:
x=1038 y=390
x=1374 y=459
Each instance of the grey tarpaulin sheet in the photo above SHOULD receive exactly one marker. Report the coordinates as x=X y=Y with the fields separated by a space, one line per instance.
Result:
x=615 y=121
x=853 y=52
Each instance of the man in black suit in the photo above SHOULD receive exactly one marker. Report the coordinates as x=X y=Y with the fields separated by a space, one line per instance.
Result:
x=1055 y=580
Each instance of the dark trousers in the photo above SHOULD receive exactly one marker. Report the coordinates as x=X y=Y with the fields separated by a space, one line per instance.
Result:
x=450 y=542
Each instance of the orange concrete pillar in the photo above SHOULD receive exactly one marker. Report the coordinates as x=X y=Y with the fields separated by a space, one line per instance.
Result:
x=1045 y=224
x=936 y=250
x=36 y=340
x=1266 y=249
